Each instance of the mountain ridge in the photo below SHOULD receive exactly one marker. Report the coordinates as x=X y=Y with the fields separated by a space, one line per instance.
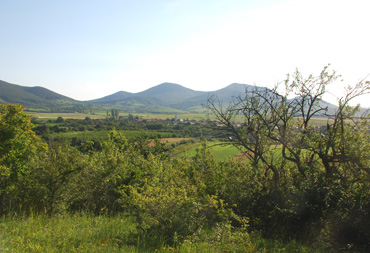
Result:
x=31 y=96
x=165 y=98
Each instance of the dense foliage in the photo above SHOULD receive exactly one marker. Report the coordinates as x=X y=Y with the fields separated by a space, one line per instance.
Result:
x=18 y=146
x=318 y=176
x=300 y=183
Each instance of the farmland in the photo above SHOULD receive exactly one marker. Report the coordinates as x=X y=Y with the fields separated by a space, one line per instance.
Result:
x=180 y=137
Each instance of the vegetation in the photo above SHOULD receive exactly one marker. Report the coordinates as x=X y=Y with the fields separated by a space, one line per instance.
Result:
x=218 y=150
x=319 y=176
x=164 y=98
x=18 y=146
x=37 y=97
x=301 y=188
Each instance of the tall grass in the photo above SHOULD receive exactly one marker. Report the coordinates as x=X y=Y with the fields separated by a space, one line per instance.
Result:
x=87 y=233
x=67 y=233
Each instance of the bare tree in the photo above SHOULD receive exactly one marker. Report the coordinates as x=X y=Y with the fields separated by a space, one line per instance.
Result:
x=278 y=129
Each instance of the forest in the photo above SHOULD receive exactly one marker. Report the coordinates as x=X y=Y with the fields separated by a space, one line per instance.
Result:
x=105 y=185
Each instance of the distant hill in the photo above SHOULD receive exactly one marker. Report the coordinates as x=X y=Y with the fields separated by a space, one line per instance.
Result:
x=225 y=95
x=118 y=96
x=162 y=98
x=169 y=93
x=37 y=97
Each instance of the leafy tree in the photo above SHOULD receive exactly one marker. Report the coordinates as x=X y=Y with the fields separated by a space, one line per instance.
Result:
x=18 y=146
x=50 y=176
x=59 y=120
x=179 y=199
x=114 y=113
x=131 y=117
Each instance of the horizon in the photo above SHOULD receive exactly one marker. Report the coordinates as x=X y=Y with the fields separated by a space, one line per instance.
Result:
x=133 y=93
x=90 y=49
x=128 y=91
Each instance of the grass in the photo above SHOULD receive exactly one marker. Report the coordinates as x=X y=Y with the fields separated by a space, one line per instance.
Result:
x=87 y=233
x=76 y=115
x=182 y=148
x=222 y=152
x=248 y=243
x=83 y=136
x=103 y=115
x=103 y=135
x=163 y=116
x=219 y=152
x=68 y=233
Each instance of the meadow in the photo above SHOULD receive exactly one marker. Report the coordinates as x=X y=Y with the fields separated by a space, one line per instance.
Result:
x=103 y=135
x=103 y=115
x=83 y=232
x=218 y=150
x=316 y=121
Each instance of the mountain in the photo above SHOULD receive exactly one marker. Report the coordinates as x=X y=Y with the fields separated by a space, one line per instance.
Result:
x=224 y=95
x=162 y=98
x=163 y=95
x=118 y=96
x=169 y=93
x=37 y=97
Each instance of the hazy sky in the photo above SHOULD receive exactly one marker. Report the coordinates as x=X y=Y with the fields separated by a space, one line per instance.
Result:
x=87 y=49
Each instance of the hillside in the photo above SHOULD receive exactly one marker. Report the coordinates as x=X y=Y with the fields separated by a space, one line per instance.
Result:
x=170 y=95
x=162 y=98
x=118 y=96
x=165 y=94
x=35 y=97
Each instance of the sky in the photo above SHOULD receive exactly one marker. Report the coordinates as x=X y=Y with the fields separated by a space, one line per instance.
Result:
x=87 y=49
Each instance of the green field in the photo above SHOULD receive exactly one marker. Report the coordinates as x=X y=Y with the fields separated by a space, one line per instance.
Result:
x=43 y=115
x=103 y=115
x=219 y=151
x=184 y=116
x=103 y=135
